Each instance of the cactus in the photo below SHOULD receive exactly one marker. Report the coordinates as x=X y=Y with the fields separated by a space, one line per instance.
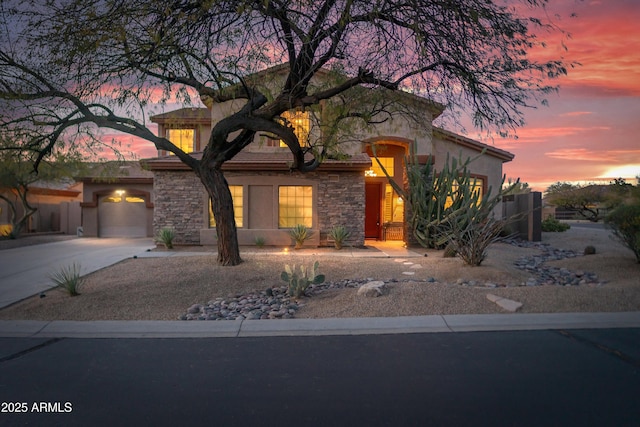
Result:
x=299 y=281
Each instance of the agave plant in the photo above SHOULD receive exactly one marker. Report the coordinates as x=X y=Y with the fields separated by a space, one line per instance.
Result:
x=339 y=234
x=166 y=236
x=300 y=233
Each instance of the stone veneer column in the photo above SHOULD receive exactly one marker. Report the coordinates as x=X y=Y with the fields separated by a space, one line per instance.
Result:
x=179 y=204
x=341 y=202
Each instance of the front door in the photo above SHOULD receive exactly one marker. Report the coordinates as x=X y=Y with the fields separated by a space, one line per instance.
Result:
x=372 y=198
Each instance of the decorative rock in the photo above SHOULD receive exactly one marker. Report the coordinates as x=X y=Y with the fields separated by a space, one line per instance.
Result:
x=195 y=308
x=372 y=289
x=409 y=273
x=505 y=303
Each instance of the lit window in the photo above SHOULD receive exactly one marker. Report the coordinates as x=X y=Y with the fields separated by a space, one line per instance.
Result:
x=133 y=199
x=182 y=138
x=376 y=170
x=236 y=195
x=112 y=199
x=301 y=123
x=477 y=185
x=295 y=206
x=393 y=210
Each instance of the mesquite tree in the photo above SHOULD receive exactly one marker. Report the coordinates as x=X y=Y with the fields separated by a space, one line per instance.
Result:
x=74 y=64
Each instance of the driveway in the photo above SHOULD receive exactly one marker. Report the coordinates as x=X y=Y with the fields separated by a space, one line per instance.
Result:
x=25 y=271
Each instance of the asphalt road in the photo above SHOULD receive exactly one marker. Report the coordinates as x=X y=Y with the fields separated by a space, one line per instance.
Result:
x=523 y=378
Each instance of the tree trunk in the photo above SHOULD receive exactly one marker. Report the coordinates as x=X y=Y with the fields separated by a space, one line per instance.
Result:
x=222 y=206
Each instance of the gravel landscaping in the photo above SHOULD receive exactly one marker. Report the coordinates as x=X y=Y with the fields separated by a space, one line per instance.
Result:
x=550 y=277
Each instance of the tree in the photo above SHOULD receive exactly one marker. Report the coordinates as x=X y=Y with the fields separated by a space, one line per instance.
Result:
x=589 y=201
x=515 y=186
x=17 y=176
x=72 y=64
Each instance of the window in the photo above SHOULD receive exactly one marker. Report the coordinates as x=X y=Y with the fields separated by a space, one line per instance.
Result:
x=134 y=199
x=236 y=195
x=112 y=199
x=477 y=187
x=301 y=122
x=376 y=170
x=182 y=138
x=295 y=206
x=393 y=210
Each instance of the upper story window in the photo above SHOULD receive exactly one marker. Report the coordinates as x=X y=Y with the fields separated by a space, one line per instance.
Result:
x=183 y=138
x=301 y=123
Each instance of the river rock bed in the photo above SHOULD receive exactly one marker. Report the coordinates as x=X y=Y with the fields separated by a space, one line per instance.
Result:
x=546 y=275
x=272 y=303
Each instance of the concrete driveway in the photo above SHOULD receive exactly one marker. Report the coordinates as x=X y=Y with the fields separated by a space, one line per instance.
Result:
x=25 y=271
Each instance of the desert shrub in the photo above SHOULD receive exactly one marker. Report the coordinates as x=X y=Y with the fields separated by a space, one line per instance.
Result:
x=339 y=234
x=449 y=251
x=259 y=241
x=470 y=236
x=624 y=221
x=300 y=233
x=553 y=225
x=165 y=236
x=69 y=279
x=589 y=250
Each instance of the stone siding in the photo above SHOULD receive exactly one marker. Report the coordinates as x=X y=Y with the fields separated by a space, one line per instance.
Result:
x=341 y=202
x=179 y=203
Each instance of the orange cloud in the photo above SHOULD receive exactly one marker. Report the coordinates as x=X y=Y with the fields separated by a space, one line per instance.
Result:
x=530 y=135
x=600 y=41
x=576 y=114
x=583 y=154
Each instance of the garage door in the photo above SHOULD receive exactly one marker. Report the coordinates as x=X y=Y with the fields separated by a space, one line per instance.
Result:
x=122 y=216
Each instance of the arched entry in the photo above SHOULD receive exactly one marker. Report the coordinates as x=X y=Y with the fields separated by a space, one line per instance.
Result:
x=384 y=209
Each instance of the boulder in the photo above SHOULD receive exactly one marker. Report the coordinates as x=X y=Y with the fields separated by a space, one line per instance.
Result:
x=373 y=289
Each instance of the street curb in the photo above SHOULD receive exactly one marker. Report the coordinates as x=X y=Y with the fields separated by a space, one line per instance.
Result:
x=315 y=327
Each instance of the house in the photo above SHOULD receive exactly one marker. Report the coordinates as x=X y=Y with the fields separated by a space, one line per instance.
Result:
x=117 y=200
x=53 y=202
x=351 y=189
x=269 y=198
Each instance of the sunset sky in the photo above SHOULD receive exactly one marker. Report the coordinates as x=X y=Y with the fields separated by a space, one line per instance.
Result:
x=590 y=132
x=591 y=129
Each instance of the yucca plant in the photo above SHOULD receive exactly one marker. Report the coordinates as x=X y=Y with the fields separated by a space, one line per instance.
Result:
x=165 y=236
x=339 y=234
x=300 y=233
x=68 y=279
x=259 y=241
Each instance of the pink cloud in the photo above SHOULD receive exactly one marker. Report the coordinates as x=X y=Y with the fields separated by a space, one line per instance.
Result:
x=583 y=154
